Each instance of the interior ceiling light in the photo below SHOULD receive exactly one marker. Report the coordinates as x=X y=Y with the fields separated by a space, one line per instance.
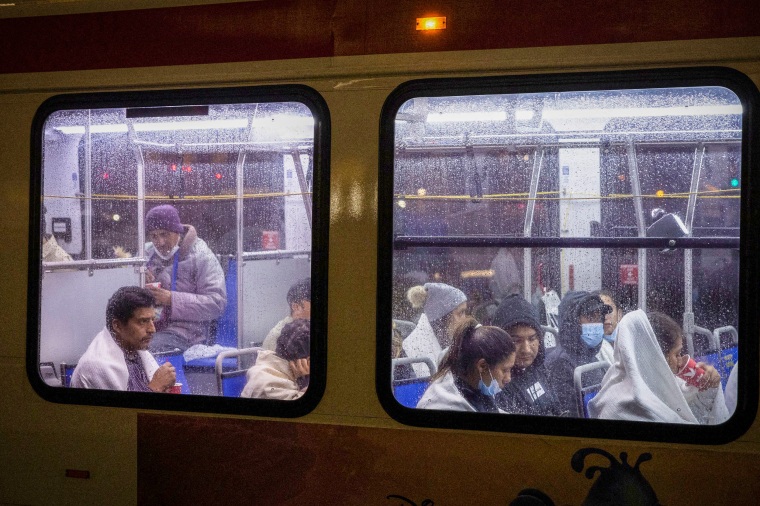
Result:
x=450 y=117
x=216 y=124
x=641 y=112
x=524 y=114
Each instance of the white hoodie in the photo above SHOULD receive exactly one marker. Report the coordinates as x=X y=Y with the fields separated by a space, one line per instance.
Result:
x=640 y=385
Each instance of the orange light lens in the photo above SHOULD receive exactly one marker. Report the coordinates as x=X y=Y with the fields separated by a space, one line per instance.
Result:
x=438 y=23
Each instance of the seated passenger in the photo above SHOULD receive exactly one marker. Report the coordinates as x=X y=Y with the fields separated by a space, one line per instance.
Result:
x=284 y=373
x=581 y=330
x=192 y=293
x=642 y=383
x=528 y=393
x=443 y=308
x=476 y=368
x=611 y=321
x=299 y=300
x=117 y=358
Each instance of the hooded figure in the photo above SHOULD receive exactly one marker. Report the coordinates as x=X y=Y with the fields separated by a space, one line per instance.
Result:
x=577 y=345
x=529 y=392
x=640 y=384
x=443 y=307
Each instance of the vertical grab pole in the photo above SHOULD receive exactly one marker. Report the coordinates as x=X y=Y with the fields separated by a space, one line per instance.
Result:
x=140 y=198
x=302 y=183
x=88 y=188
x=638 y=204
x=538 y=157
x=239 y=226
x=688 y=313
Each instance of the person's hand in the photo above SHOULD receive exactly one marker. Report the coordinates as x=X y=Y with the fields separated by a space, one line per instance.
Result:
x=149 y=277
x=163 y=378
x=163 y=297
x=300 y=367
x=711 y=377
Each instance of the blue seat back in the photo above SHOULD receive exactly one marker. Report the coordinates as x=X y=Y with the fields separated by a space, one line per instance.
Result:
x=409 y=392
x=586 y=398
x=226 y=329
x=233 y=383
x=178 y=361
x=66 y=371
x=723 y=361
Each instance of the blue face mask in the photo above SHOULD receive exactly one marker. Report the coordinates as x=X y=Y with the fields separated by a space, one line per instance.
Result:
x=490 y=390
x=611 y=338
x=592 y=334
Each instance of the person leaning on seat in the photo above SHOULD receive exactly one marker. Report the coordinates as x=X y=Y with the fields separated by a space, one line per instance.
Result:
x=284 y=373
x=117 y=359
x=192 y=293
x=299 y=300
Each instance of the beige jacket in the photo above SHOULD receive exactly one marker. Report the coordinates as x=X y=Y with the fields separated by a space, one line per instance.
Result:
x=271 y=378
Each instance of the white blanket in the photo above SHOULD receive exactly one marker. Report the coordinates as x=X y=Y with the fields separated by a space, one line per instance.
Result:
x=640 y=385
x=103 y=365
x=422 y=342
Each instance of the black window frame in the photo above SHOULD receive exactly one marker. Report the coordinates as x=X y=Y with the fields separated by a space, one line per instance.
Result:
x=749 y=321
x=319 y=253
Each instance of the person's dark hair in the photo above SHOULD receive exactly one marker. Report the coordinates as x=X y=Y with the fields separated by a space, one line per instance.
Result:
x=591 y=305
x=123 y=303
x=294 y=341
x=300 y=292
x=666 y=330
x=610 y=295
x=471 y=343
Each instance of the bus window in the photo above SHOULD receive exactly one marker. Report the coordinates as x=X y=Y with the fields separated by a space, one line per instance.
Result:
x=183 y=224
x=555 y=253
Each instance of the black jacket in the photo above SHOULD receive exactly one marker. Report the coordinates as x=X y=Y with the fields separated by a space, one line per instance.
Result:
x=529 y=392
x=571 y=352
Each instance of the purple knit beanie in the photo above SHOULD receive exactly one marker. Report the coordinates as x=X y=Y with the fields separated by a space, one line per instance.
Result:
x=163 y=217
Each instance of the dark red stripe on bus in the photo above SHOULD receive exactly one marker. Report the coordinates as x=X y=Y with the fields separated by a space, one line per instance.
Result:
x=268 y=30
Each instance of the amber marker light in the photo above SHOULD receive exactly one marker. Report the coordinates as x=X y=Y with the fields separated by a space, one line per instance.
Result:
x=438 y=23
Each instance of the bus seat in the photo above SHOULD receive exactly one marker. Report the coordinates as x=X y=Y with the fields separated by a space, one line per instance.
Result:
x=722 y=358
x=178 y=361
x=586 y=392
x=230 y=383
x=408 y=392
x=66 y=371
x=48 y=375
x=226 y=328
x=200 y=371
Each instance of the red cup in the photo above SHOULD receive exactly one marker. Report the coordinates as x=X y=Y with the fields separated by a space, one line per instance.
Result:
x=176 y=388
x=690 y=372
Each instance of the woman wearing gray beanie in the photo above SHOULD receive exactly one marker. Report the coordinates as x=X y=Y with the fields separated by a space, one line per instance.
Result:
x=443 y=307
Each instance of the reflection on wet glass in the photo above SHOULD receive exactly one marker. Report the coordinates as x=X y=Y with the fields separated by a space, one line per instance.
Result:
x=549 y=216
x=184 y=235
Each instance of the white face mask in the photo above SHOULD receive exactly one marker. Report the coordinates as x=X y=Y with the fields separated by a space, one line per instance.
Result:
x=171 y=253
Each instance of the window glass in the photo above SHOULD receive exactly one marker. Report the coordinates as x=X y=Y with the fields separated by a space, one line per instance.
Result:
x=553 y=253
x=184 y=233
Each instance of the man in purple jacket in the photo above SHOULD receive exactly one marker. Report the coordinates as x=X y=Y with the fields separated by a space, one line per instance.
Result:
x=191 y=293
